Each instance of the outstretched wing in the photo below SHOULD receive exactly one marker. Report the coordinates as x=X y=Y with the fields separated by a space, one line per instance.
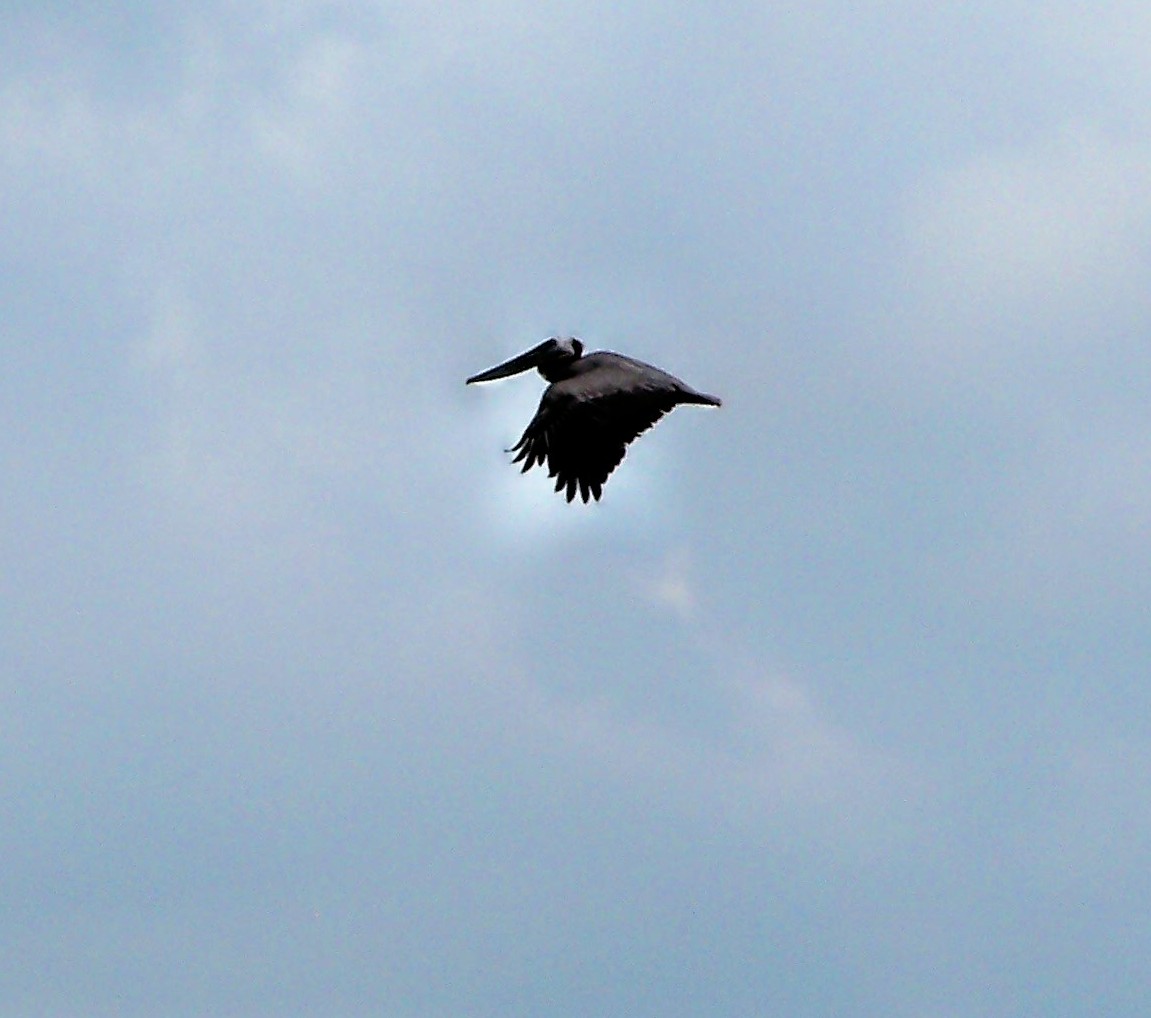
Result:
x=582 y=435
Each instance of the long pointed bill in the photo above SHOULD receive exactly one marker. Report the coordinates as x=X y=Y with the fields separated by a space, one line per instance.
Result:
x=523 y=362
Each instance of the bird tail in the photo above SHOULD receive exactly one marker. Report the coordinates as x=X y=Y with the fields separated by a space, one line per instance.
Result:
x=700 y=398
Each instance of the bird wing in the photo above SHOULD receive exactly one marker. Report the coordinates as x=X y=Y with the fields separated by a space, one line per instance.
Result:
x=583 y=435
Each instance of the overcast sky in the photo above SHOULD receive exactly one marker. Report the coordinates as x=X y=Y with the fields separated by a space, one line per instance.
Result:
x=837 y=704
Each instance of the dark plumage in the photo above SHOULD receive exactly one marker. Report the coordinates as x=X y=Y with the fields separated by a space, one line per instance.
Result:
x=593 y=409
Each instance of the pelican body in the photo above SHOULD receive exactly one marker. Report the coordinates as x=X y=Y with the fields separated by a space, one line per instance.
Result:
x=593 y=409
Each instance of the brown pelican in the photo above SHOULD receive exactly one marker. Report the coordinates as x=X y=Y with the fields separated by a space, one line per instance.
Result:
x=595 y=406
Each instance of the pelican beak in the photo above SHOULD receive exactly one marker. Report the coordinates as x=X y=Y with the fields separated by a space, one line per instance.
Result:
x=524 y=362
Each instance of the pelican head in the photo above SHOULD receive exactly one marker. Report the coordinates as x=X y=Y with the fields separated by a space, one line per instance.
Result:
x=551 y=357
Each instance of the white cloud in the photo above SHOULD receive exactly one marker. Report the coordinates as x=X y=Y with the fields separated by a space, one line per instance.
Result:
x=1042 y=227
x=673 y=587
x=236 y=446
x=781 y=761
x=267 y=487
x=1025 y=285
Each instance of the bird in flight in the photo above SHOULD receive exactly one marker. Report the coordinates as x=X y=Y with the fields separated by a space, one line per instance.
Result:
x=593 y=409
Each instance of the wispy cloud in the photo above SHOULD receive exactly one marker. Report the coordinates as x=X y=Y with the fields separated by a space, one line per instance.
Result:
x=293 y=638
x=1042 y=226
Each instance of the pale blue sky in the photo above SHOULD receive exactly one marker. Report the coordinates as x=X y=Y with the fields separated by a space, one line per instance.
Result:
x=838 y=703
